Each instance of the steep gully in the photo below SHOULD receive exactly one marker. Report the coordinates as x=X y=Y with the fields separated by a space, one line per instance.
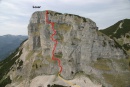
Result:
x=53 y=51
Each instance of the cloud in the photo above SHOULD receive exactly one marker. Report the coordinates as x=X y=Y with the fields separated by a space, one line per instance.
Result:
x=15 y=14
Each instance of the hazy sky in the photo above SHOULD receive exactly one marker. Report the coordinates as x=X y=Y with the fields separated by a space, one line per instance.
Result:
x=15 y=14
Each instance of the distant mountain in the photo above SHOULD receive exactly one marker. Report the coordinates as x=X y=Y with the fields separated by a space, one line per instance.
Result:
x=120 y=32
x=118 y=29
x=8 y=44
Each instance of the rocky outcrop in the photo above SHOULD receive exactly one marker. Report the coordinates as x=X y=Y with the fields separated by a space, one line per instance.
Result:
x=82 y=49
x=79 y=41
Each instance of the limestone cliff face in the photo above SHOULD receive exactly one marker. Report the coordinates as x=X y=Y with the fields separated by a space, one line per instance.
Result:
x=82 y=49
x=79 y=41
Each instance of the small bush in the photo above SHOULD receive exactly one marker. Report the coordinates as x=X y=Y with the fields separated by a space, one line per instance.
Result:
x=5 y=82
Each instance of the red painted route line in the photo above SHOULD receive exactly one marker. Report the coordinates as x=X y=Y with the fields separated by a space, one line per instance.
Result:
x=55 y=42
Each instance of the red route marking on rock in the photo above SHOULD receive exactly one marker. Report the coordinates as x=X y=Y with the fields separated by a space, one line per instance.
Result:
x=54 y=40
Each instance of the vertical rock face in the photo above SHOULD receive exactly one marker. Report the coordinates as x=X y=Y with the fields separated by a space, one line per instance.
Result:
x=79 y=42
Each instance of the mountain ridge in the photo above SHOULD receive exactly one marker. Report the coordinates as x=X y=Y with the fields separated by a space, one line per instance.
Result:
x=120 y=32
x=122 y=24
x=8 y=44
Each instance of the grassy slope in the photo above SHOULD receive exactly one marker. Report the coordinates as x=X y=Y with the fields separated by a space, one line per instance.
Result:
x=110 y=30
x=120 y=32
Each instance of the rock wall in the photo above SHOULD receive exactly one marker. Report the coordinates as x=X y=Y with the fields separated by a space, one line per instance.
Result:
x=79 y=42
